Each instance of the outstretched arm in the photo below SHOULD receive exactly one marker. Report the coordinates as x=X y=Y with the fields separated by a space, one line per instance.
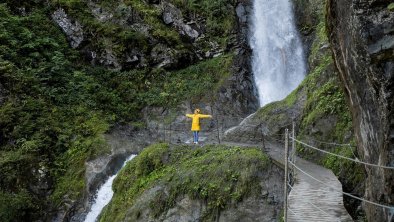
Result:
x=189 y=115
x=205 y=116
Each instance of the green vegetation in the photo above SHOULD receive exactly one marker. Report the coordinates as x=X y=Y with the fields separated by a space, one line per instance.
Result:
x=115 y=34
x=46 y=121
x=11 y=204
x=390 y=7
x=196 y=81
x=325 y=99
x=56 y=106
x=219 y=14
x=218 y=175
x=340 y=166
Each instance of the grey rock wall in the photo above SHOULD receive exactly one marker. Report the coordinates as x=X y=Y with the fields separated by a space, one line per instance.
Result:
x=362 y=34
x=72 y=29
x=240 y=92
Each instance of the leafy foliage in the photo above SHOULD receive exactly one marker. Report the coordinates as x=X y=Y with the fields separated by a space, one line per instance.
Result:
x=195 y=81
x=57 y=106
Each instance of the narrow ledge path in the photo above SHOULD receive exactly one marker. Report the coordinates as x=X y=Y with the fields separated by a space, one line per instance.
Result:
x=309 y=200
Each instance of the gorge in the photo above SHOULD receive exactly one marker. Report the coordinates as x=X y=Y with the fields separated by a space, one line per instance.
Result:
x=84 y=84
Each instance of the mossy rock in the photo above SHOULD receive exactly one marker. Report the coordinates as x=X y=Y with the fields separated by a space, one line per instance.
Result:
x=390 y=7
x=218 y=176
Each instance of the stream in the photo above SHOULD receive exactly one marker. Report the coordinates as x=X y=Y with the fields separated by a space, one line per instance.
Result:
x=104 y=196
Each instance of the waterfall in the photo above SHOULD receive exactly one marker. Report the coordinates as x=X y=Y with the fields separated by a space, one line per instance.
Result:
x=104 y=196
x=278 y=58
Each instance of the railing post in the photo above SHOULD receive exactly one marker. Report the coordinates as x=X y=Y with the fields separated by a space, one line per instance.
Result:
x=217 y=126
x=164 y=129
x=262 y=135
x=293 y=148
x=170 y=135
x=286 y=168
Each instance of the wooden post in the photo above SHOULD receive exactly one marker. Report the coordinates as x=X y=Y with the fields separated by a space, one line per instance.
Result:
x=217 y=126
x=170 y=135
x=293 y=148
x=263 y=136
x=164 y=132
x=286 y=168
x=164 y=129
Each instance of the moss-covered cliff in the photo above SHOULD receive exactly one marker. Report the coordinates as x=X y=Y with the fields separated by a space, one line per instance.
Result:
x=184 y=183
x=70 y=70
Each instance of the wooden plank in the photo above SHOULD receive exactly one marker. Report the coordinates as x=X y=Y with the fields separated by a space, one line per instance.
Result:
x=310 y=200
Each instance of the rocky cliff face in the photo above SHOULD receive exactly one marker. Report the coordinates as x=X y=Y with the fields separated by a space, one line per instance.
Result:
x=185 y=42
x=240 y=92
x=179 y=38
x=362 y=40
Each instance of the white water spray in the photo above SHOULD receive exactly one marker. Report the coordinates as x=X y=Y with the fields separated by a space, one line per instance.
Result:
x=104 y=196
x=278 y=58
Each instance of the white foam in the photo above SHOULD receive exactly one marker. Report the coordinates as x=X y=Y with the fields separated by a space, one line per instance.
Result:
x=104 y=196
x=278 y=59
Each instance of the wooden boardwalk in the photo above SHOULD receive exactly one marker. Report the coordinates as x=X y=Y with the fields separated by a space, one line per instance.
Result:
x=309 y=200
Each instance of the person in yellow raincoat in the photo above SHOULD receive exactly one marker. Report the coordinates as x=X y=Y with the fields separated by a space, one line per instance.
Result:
x=196 y=123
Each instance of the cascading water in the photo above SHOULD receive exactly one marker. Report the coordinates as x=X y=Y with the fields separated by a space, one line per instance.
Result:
x=278 y=58
x=104 y=196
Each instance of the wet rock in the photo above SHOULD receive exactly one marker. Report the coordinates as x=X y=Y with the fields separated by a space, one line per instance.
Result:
x=72 y=29
x=124 y=141
x=239 y=93
x=361 y=38
x=241 y=13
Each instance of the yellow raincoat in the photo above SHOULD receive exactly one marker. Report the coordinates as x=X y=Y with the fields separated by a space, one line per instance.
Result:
x=196 y=120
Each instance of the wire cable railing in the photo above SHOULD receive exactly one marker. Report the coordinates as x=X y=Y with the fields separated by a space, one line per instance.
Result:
x=344 y=193
x=290 y=162
x=343 y=157
x=219 y=127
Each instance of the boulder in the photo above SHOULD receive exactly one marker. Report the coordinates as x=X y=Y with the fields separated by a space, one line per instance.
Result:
x=163 y=56
x=173 y=16
x=72 y=29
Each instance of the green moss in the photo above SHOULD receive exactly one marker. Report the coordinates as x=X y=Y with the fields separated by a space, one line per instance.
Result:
x=321 y=39
x=218 y=175
x=13 y=204
x=390 y=7
x=325 y=98
x=337 y=165
x=194 y=82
